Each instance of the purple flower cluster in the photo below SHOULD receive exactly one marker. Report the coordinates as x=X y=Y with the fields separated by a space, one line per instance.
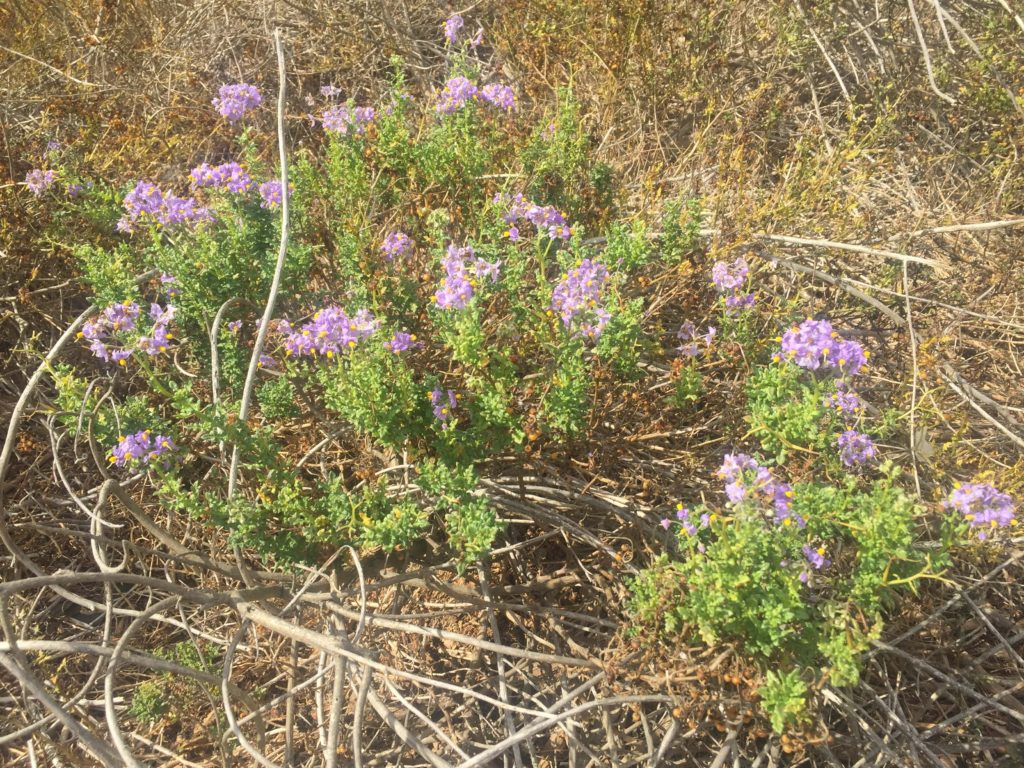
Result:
x=142 y=447
x=688 y=338
x=577 y=298
x=729 y=280
x=452 y=27
x=158 y=339
x=543 y=217
x=116 y=318
x=462 y=270
x=38 y=181
x=233 y=101
x=746 y=479
x=982 y=506
x=330 y=91
x=230 y=176
x=444 y=402
x=855 y=448
x=122 y=318
x=814 y=344
x=168 y=283
x=456 y=94
x=329 y=332
x=402 y=342
x=270 y=194
x=815 y=559
x=396 y=244
x=844 y=399
x=498 y=95
x=341 y=119
x=168 y=209
x=685 y=522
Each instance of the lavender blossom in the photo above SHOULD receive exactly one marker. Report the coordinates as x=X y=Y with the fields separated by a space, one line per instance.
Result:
x=452 y=27
x=982 y=506
x=142 y=448
x=729 y=278
x=462 y=270
x=233 y=101
x=815 y=344
x=855 y=448
x=329 y=332
x=498 y=95
x=230 y=176
x=843 y=399
x=402 y=342
x=347 y=121
x=38 y=181
x=270 y=194
x=456 y=94
x=444 y=403
x=396 y=244
x=577 y=298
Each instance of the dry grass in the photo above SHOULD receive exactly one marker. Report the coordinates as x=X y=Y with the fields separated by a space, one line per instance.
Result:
x=827 y=121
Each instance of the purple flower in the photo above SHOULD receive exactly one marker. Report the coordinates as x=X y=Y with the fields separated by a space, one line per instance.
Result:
x=982 y=506
x=230 y=176
x=402 y=341
x=809 y=343
x=270 y=194
x=120 y=317
x=235 y=326
x=814 y=344
x=169 y=282
x=233 y=101
x=167 y=209
x=462 y=270
x=729 y=278
x=266 y=361
x=744 y=477
x=816 y=557
x=781 y=495
x=158 y=339
x=343 y=120
x=330 y=91
x=142 y=447
x=74 y=190
x=329 y=332
x=478 y=39
x=855 y=448
x=844 y=400
x=452 y=27
x=687 y=334
x=444 y=403
x=53 y=146
x=577 y=298
x=683 y=516
x=396 y=244
x=38 y=181
x=119 y=356
x=456 y=94
x=501 y=96
x=848 y=356
x=737 y=302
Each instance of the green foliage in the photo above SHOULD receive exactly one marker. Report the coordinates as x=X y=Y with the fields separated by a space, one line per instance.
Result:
x=784 y=698
x=739 y=589
x=566 y=407
x=681 y=223
x=110 y=274
x=149 y=704
x=785 y=410
x=277 y=399
x=472 y=526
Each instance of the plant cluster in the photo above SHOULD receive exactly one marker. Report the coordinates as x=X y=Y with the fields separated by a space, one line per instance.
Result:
x=432 y=320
